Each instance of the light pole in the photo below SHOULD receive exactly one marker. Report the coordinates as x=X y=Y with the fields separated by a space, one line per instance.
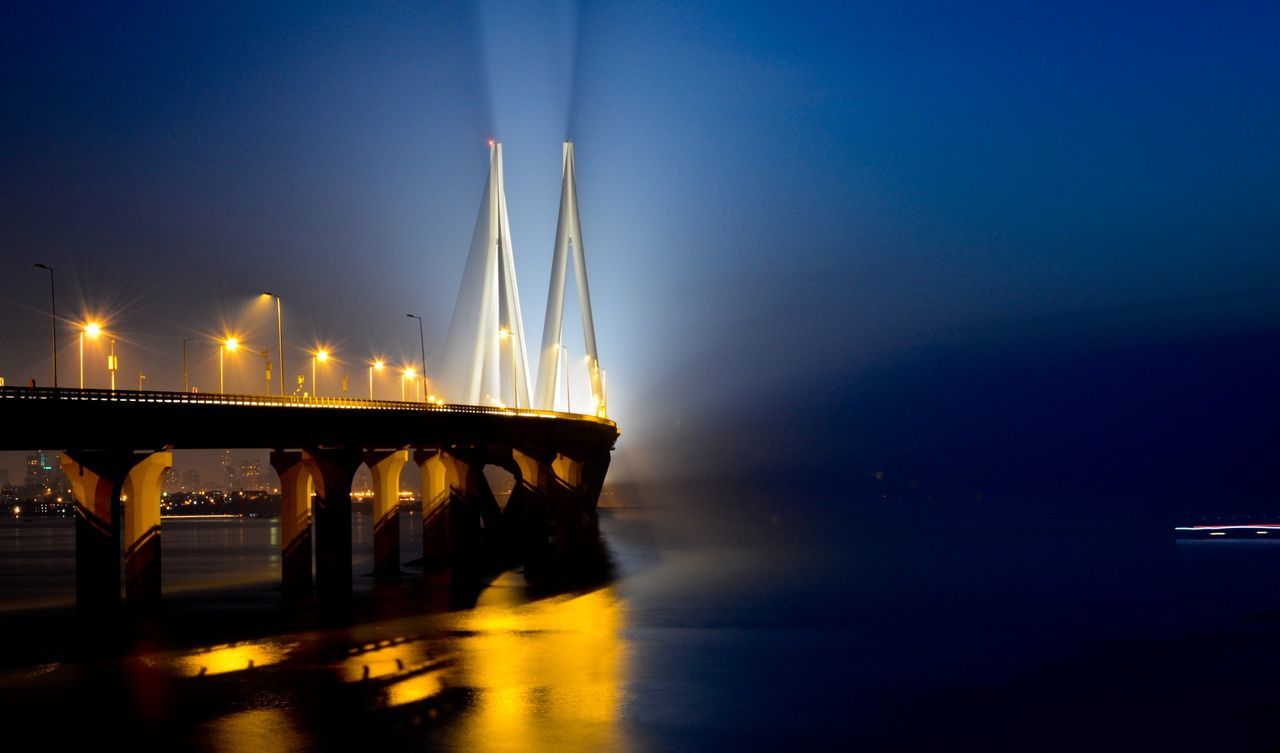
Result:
x=113 y=364
x=185 y=380
x=422 y=343
x=377 y=364
x=279 y=337
x=53 y=321
x=408 y=373
x=266 y=358
x=321 y=356
x=141 y=378
x=230 y=344
x=92 y=329
x=505 y=334
x=564 y=359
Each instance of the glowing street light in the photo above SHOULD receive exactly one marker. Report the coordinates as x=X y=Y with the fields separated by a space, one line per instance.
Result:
x=322 y=356
x=229 y=345
x=92 y=329
x=376 y=365
x=505 y=334
x=113 y=364
x=408 y=373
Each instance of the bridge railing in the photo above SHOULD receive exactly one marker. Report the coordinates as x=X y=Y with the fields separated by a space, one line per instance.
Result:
x=71 y=394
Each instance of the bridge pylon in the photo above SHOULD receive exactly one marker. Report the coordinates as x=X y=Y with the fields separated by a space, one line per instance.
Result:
x=485 y=350
x=568 y=243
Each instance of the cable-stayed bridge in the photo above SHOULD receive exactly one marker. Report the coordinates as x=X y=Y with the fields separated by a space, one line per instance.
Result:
x=117 y=445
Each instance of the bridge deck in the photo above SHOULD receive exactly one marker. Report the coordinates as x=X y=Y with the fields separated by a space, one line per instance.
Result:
x=47 y=418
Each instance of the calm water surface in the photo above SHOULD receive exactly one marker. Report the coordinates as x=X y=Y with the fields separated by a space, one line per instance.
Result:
x=721 y=629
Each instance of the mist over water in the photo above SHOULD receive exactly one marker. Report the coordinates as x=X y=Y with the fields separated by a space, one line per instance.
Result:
x=721 y=626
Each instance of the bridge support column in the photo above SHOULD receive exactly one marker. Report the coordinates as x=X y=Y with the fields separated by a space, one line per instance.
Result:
x=576 y=491
x=332 y=471
x=143 y=488
x=474 y=519
x=384 y=468
x=98 y=479
x=436 y=534
x=531 y=500
x=295 y=522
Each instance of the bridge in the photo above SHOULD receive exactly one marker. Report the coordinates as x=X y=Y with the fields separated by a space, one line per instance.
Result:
x=117 y=446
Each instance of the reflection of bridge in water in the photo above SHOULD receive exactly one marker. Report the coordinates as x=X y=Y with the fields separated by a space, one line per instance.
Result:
x=117 y=444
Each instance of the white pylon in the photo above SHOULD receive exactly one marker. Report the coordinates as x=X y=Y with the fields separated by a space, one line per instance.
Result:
x=478 y=366
x=568 y=234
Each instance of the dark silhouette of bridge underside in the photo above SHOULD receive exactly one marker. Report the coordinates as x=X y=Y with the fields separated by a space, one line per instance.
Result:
x=116 y=448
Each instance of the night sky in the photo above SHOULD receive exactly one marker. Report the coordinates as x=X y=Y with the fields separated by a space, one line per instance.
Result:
x=1024 y=250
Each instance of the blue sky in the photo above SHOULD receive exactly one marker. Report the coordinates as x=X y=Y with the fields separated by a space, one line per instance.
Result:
x=780 y=203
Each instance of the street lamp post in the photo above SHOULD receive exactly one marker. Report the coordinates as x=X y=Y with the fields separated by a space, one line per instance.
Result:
x=505 y=334
x=564 y=359
x=266 y=358
x=377 y=364
x=230 y=344
x=113 y=364
x=141 y=378
x=186 y=383
x=53 y=321
x=321 y=356
x=92 y=329
x=422 y=343
x=407 y=374
x=279 y=337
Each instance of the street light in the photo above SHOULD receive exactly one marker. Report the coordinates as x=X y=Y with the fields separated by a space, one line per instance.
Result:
x=564 y=361
x=408 y=373
x=141 y=378
x=266 y=359
x=185 y=380
x=322 y=356
x=505 y=334
x=279 y=337
x=422 y=343
x=92 y=329
x=113 y=364
x=377 y=364
x=229 y=345
x=53 y=321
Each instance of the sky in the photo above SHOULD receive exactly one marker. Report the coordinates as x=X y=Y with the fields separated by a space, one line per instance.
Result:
x=1020 y=250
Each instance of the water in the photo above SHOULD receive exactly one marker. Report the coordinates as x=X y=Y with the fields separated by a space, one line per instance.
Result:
x=722 y=628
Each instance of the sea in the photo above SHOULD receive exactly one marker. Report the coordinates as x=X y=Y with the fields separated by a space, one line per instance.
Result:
x=783 y=626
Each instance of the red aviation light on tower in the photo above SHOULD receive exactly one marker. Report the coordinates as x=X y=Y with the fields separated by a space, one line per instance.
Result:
x=490 y=143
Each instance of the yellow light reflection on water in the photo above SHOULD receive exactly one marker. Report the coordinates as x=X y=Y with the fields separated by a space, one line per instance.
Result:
x=547 y=674
x=414 y=689
x=257 y=731
x=232 y=658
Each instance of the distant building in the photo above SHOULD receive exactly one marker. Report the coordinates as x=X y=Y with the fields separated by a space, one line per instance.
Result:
x=191 y=481
x=172 y=480
x=228 y=472
x=251 y=479
x=42 y=474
